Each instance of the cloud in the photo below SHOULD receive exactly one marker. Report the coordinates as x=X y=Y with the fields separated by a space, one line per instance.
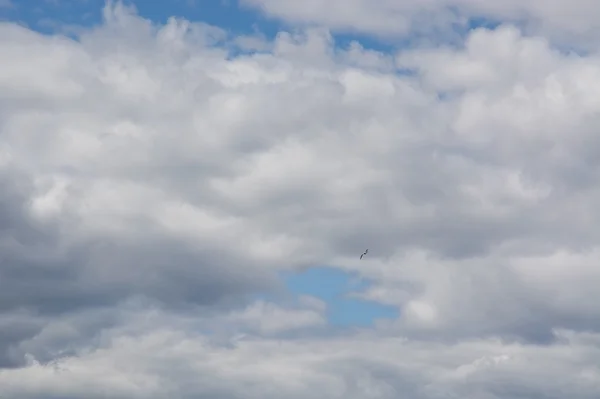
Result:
x=573 y=24
x=169 y=362
x=154 y=181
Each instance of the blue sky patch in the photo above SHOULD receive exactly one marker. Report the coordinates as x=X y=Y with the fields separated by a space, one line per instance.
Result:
x=333 y=286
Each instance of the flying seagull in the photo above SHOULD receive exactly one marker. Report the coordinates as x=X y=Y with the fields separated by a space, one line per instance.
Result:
x=364 y=253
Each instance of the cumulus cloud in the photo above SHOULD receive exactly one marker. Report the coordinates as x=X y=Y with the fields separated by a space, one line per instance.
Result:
x=155 y=179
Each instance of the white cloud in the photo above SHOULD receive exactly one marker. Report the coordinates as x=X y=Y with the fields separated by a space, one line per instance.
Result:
x=574 y=23
x=150 y=184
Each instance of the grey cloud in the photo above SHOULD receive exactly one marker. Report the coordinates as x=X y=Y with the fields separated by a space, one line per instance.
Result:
x=143 y=165
x=47 y=268
x=47 y=271
x=172 y=362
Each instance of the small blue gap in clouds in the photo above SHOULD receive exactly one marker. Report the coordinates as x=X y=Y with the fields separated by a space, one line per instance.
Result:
x=333 y=286
x=482 y=22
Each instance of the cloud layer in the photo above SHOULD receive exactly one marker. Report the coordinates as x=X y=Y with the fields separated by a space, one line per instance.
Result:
x=572 y=24
x=154 y=180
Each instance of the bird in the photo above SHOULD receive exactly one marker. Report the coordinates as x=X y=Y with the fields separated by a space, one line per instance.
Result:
x=364 y=253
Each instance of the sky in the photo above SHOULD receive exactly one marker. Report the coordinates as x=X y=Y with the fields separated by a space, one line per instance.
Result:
x=186 y=188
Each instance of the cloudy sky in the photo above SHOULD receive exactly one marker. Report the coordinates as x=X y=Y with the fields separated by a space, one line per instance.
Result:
x=186 y=187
